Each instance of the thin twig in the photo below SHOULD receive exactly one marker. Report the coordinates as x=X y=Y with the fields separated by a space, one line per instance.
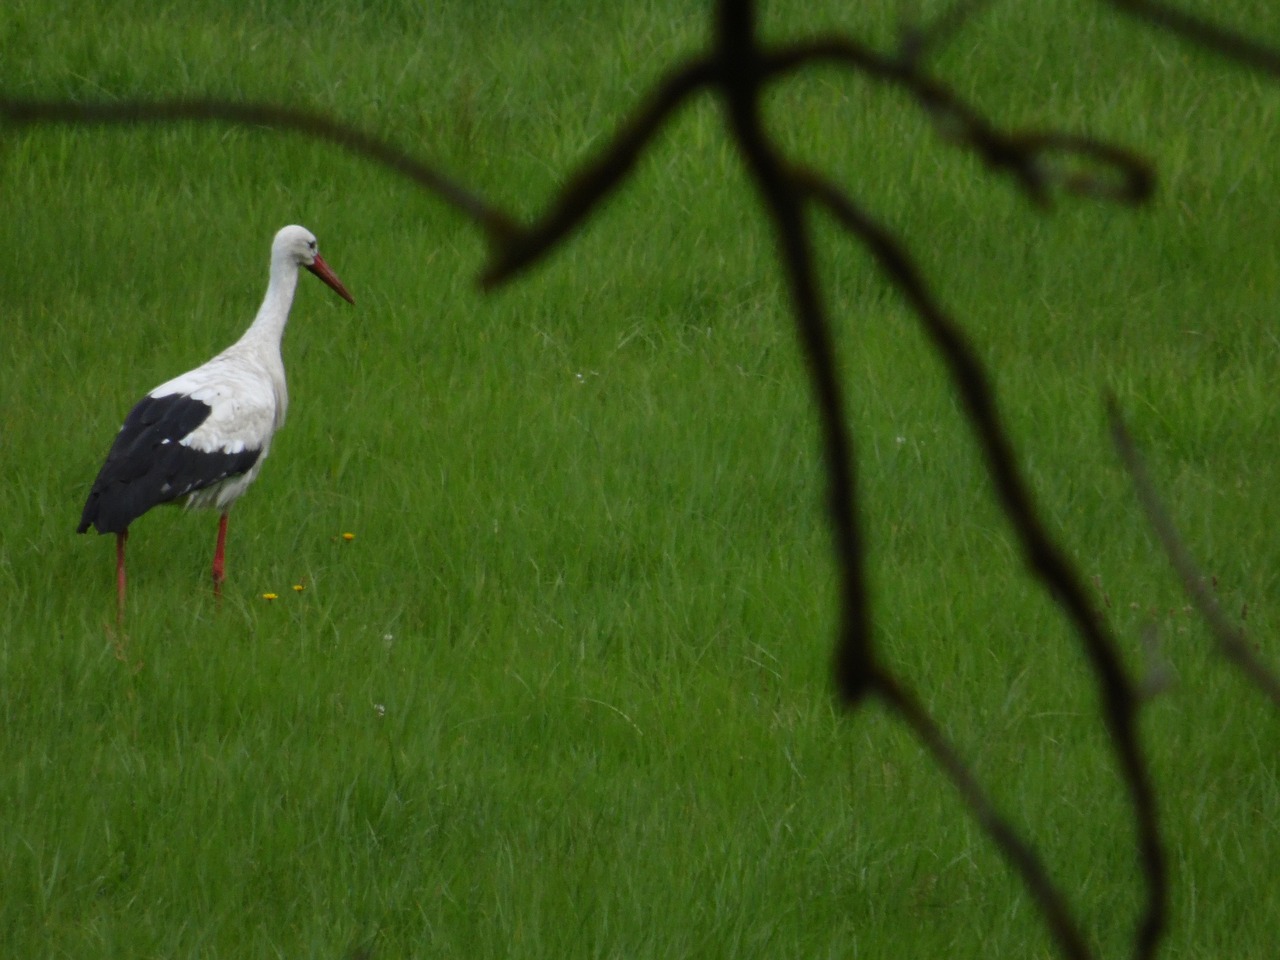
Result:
x=496 y=224
x=1231 y=640
x=917 y=42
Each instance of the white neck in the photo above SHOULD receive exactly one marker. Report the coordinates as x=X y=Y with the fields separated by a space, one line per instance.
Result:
x=272 y=316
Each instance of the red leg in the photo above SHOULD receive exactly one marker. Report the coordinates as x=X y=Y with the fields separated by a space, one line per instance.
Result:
x=121 y=538
x=219 y=558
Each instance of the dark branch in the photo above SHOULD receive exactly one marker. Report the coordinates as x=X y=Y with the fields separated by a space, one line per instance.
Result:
x=1018 y=852
x=598 y=176
x=741 y=83
x=1038 y=160
x=1120 y=698
x=1204 y=33
x=857 y=672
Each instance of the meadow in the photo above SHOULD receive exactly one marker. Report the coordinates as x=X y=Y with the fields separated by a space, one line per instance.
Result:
x=565 y=691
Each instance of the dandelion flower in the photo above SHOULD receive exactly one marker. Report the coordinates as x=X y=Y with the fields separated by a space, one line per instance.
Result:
x=298 y=587
x=348 y=536
x=269 y=596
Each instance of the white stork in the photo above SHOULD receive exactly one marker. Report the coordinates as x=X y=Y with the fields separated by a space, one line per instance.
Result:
x=200 y=438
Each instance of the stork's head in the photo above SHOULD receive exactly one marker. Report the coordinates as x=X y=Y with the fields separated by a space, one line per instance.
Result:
x=297 y=245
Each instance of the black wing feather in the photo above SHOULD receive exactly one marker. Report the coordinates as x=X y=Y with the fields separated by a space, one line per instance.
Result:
x=148 y=465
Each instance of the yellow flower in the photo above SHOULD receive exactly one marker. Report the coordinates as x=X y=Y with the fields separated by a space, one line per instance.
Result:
x=348 y=536
x=268 y=596
x=298 y=588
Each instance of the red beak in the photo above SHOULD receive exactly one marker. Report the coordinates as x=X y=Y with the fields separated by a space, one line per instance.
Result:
x=321 y=270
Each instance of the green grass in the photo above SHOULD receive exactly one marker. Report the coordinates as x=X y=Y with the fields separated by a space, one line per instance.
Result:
x=566 y=693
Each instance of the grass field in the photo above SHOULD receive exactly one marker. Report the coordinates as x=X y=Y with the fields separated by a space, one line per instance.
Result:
x=565 y=693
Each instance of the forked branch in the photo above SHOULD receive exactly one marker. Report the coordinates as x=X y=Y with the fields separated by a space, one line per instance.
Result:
x=1121 y=698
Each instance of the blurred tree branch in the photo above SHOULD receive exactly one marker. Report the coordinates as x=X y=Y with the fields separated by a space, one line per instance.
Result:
x=1202 y=32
